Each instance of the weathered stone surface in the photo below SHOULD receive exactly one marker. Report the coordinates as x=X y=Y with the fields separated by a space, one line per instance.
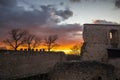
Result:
x=116 y=64
x=98 y=38
x=17 y=65
x=82 y=71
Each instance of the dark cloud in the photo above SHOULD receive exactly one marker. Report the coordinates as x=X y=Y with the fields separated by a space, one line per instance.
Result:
x=117 y=3
x=9 y=3
x=64 y=14
x=61 y=3
x=75 y=0
x=19 y=16
x=103 y=22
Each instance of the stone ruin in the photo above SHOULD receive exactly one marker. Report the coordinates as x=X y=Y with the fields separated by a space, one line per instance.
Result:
x=23 y=63
x=98 y=40
x=102 y=44
x=85 y=70
x=100 y=56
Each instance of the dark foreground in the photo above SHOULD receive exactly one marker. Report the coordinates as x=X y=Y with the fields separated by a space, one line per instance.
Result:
x=36 y=77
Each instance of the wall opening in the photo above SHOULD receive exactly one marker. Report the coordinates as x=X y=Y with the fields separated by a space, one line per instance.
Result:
x=113 y=36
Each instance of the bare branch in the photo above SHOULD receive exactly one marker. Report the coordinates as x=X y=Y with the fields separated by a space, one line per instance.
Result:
x=32 y=41
x=75 y=49
x=16 y=38
x=50 y=41
x=7 y=41
x=37 y=42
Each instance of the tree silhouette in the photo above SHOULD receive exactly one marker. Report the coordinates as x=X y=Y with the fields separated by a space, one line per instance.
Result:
x=75 y=49
x=32 y=41
x=50 y=42
x=16 y=38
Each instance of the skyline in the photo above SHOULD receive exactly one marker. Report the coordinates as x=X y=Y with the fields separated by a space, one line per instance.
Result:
x=62 y=17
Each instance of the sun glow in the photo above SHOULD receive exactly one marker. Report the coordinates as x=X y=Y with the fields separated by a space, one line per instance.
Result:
x=64 y=50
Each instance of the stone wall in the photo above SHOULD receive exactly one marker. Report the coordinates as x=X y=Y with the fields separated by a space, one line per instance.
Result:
x=16 y=65
x=82 y=71
x=97 y=41
x=116 y=64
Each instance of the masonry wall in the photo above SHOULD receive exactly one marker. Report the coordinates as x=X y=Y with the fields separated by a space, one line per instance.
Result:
x=17 y=65
x=97 y=41
x=82 y=71
x=116 y=64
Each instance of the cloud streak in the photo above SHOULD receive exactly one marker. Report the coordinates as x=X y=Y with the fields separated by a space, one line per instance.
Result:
x=75 y=0
x=115 y=2
x=103 y=22
x=67 y=33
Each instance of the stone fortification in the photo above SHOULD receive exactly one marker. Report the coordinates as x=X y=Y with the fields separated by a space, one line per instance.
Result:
x=17 y=64
x=97 y=39
x=100 y=58
x=102 y=44
x=82 y=71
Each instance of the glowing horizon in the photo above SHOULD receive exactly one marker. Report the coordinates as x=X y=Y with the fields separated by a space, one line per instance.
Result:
x=64 y=47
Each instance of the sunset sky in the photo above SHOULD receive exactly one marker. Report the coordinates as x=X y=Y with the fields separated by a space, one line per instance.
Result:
x=62 y=17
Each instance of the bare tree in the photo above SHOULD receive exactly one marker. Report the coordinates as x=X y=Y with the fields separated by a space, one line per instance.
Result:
x=76 y=49
x=32 y=41
x=16 y=38
x=50 y=42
